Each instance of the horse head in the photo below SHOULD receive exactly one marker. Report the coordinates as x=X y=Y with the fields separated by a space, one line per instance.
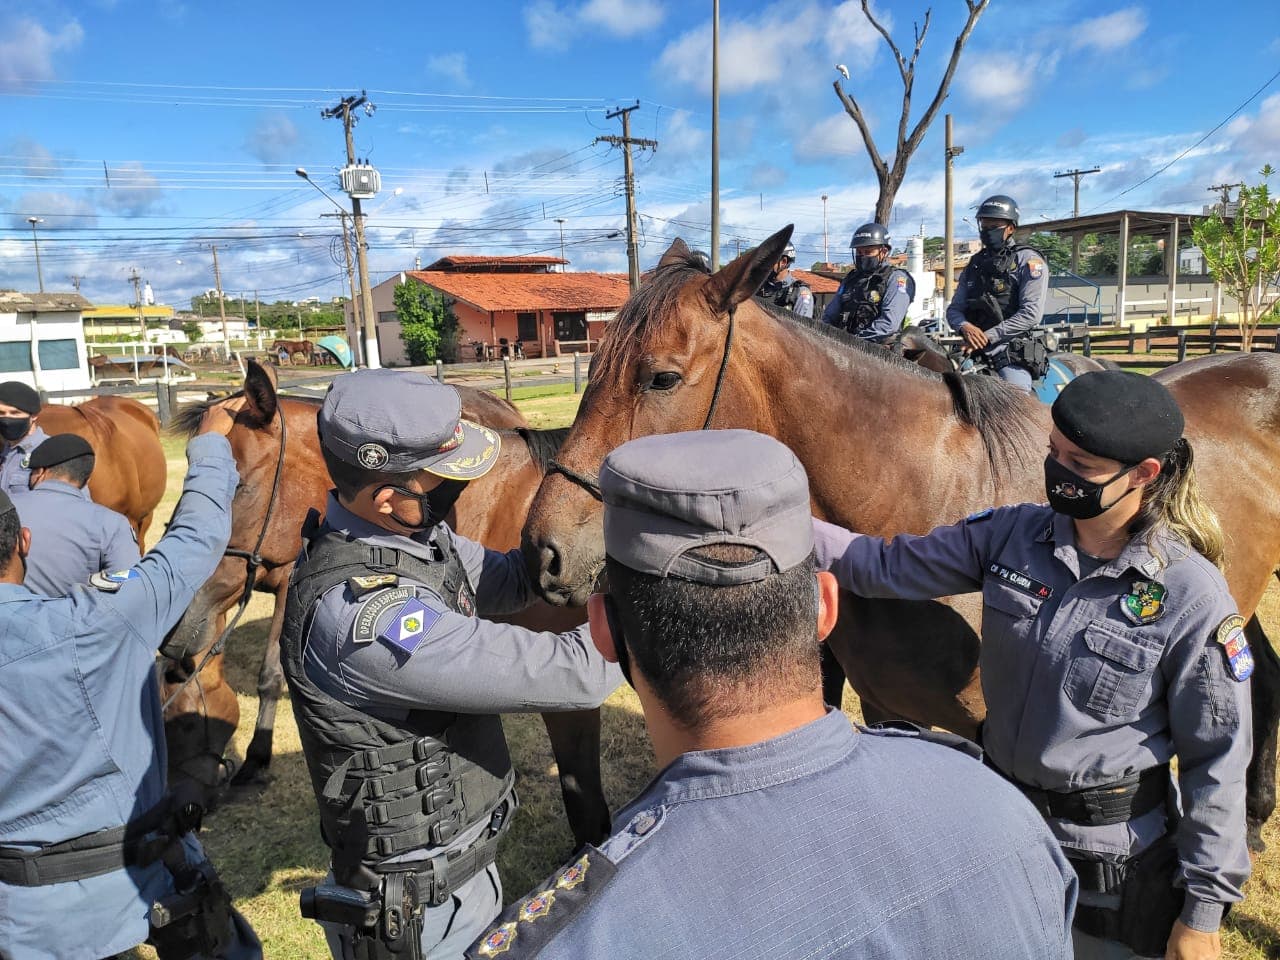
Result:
x=663 y=367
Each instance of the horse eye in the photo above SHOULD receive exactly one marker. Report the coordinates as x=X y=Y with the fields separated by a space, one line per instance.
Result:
x=664 y=381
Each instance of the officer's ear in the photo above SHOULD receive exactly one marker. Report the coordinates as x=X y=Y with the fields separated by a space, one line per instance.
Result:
x=601 y=628
x=828 y=603
x=24 y=543
x=1146 y=471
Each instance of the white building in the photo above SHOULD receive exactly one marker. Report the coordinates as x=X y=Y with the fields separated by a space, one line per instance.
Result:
x=42 y=340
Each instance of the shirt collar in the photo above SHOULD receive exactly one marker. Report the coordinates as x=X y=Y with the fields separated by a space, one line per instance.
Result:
x=798 y=753
x=28 y=443
x=61 y=486
x=1138 y=554
x=339 y=518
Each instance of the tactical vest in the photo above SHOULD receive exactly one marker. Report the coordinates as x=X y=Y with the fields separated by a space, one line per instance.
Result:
x=862 y=296
x=997 y=272
x=782 y=294
x=387 y=787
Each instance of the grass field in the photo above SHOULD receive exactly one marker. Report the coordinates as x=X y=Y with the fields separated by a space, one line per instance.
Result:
x=267 y=847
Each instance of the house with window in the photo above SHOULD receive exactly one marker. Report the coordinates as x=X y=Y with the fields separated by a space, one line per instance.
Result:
x=42 y=340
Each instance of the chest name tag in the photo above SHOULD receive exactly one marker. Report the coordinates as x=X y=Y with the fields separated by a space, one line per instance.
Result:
x=1020 y=581
x=1239 y=657
x=408 y=626
x=365 y=629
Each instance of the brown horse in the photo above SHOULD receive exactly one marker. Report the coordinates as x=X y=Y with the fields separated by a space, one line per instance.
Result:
x=293 y=349
x=129 y=470
x=889 y=448
x=492 y=510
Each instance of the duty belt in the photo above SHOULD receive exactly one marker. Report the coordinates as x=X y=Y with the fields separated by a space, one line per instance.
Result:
x=1116 y=802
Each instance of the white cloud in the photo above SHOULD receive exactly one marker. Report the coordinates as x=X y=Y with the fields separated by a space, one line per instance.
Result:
x=134 y=191
x=622 y=18
x=61 y=210
x=37 y=162
x=28 y=51
x=553 y=27
x=1256 y=139
x=851 y=39
x=547 y=25
x=1110 y=32
x=833 y=136
x=1003 y=85
x=450 y=66
x=273 y=139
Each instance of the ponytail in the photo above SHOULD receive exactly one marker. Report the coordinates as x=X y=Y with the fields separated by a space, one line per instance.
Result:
x=1173 y=503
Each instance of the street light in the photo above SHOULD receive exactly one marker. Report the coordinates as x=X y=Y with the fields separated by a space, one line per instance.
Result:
x=826 y=258
x=560 y=220
x=36 y=240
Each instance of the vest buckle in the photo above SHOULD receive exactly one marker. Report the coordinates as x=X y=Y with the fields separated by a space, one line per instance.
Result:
x=434 y=770
x=438 y=798
x=446 y=829
x=424 y=748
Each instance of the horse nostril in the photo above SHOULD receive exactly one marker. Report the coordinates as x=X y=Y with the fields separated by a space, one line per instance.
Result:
x=551 y=560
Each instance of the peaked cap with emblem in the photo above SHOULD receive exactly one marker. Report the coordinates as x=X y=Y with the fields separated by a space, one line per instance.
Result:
x=1122 y=416
x=397 y=422
x=59 y=449
x=15 y=393
x=667 y=494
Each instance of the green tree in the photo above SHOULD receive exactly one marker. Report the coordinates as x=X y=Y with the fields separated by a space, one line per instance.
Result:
x=1243 y=253
x=1056 y=250
x=191 y=330
x=428 y=325
x=933 y=247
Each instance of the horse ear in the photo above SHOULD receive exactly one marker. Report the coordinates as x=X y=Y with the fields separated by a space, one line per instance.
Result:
x=737 y=281
x=260 y=394
x=677 y=253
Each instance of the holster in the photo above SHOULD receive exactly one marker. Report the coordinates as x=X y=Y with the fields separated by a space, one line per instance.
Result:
x=1149 y=902
x=386 y=923
x=194 y=920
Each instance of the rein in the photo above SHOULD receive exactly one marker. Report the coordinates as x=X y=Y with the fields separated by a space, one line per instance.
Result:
x=253 y=562
x=591 y=483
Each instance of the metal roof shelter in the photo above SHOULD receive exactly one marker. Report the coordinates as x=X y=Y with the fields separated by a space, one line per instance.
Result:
x=1130 y=223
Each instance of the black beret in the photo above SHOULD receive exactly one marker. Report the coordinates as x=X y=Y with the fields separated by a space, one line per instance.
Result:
x=59 y=449
x=1121 y=416
x=18 y=394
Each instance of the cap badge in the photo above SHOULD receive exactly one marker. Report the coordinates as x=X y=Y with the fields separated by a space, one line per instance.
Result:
x=498 y=941
x=574 y=875
x=453 y=442
x=372 y=456
x=537 y=907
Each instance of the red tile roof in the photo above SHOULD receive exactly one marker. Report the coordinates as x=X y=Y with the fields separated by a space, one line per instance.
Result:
x=817 y=282
x=470 y=260
x=530 y=291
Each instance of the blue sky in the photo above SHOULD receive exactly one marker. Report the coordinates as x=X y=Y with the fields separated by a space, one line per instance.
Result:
x=201 y=112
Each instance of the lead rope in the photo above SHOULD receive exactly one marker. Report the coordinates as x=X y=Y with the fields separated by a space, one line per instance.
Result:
x=591 y=483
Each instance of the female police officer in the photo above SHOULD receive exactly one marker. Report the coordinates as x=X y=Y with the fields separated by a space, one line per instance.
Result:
x=1110 y=645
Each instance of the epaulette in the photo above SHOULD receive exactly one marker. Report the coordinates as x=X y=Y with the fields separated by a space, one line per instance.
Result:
x=526 y=927
x=359 y=586
x=909 y=730
x=111 y=581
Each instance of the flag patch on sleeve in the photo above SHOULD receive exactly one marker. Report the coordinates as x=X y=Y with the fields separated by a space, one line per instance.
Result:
x=409 y=625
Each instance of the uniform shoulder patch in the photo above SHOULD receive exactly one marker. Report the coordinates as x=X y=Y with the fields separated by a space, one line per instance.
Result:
x=111 y=581
x=374 y=608
x=902 y=282
x=1035 y=267
x=1230 y=635
x=527 y=926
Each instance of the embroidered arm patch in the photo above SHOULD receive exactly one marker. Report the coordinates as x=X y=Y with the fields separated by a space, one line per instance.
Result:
x=111 y=581
x=1230 y=635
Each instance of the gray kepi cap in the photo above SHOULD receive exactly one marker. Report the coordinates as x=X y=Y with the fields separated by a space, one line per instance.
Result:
x=667 y=494
x=397 y=422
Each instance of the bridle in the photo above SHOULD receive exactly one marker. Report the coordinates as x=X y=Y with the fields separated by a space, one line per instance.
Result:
x=254 y=561
x=591 y=483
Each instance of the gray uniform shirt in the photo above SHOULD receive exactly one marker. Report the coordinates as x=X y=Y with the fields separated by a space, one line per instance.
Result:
x=71 y=537
x=1033 y=284
x=14 y=468
x=899 y=291
x=1077 y=694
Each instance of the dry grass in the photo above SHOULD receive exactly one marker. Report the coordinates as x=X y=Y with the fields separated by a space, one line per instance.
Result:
x=267 y=844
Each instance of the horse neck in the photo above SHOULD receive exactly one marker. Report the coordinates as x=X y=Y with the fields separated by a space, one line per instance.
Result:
x=881 y=443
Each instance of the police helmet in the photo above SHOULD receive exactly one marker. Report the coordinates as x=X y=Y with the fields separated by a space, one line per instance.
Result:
x=870 y=235
x=999 y=207
x=789 y=252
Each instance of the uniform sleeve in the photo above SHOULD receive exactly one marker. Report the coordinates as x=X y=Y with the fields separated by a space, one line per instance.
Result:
x=945 y=561
x=1033 y=282
x=804 y=301
x=167 y=578
x=1210 y=716
x=500 y=580
x=119 y=545
x=465 y=664
x=831 y=312
x=959 y=299
x=893 y=309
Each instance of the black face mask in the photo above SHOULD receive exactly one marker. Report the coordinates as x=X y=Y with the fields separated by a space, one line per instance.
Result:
x=865 y=263
x=14 y=429
x=1073 y=495
x=434 y=505
x=992 y=237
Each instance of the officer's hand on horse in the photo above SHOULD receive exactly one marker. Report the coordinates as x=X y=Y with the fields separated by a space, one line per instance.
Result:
x=1186 y=943
x=974 y=338
x=221 y=416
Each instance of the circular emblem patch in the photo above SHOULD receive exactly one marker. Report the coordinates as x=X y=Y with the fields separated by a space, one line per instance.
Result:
x=372 y=456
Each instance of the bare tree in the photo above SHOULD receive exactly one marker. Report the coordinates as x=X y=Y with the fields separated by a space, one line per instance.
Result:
x=891 y=176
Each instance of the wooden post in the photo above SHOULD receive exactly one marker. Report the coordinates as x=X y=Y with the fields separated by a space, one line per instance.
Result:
x=162 y=403
x=506 y=375
x=1148 y=336
x=440 y=371
x=1213 y=335
x=1122 y=275
x=1182 y=345
x=577 y=372
x=1087 y=349
x=1131 y=338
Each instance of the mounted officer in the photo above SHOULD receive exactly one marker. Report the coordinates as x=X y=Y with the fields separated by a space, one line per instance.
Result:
x=784 y=289
x=397 y=684
x=19 y=433
x=874 y=296
x=999 y=301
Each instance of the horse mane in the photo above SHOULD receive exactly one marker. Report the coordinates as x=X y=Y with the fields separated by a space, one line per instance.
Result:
x=993 y=408
x=543 y=444
x=186 y=419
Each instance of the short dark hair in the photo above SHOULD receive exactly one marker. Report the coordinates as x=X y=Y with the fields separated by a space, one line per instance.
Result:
x=711 y=652
x=75 y=471
x=349 y=479
x=10 y=531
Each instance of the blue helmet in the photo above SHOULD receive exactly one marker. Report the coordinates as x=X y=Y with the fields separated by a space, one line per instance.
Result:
x=870 y=235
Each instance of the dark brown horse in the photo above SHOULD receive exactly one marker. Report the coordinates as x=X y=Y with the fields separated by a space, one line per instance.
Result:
x=293 y=349
x=129 y=469
x=492 y=510
x=889 y=448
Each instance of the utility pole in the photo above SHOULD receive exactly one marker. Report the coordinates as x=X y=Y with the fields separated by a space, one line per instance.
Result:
x=36 y=240
x=343 y=110
x=75 y=281
x=222 y=304
x=257 y=312
x=1075 y=176
x=826 y=257
x=949 y=240
x=560 y=220
x=353 y=331
x=1225 y=190
x=626 y=142
x=715 y=136
x=136 y=279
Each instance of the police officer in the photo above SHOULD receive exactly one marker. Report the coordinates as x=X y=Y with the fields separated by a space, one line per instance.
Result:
x=874 y=296
x=396 y=682
x=72 y=537
x=1000 y=298
x=784 y=289
x=1110 y=646
x=776 y=829
x=90 y=846
x=19 y=433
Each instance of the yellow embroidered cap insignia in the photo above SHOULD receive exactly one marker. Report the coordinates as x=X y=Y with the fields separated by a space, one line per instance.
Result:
x=574 y=875
x=537 y=907
x=498 y=941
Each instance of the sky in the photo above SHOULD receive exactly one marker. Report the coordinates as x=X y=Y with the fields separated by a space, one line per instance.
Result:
x=142 y=132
